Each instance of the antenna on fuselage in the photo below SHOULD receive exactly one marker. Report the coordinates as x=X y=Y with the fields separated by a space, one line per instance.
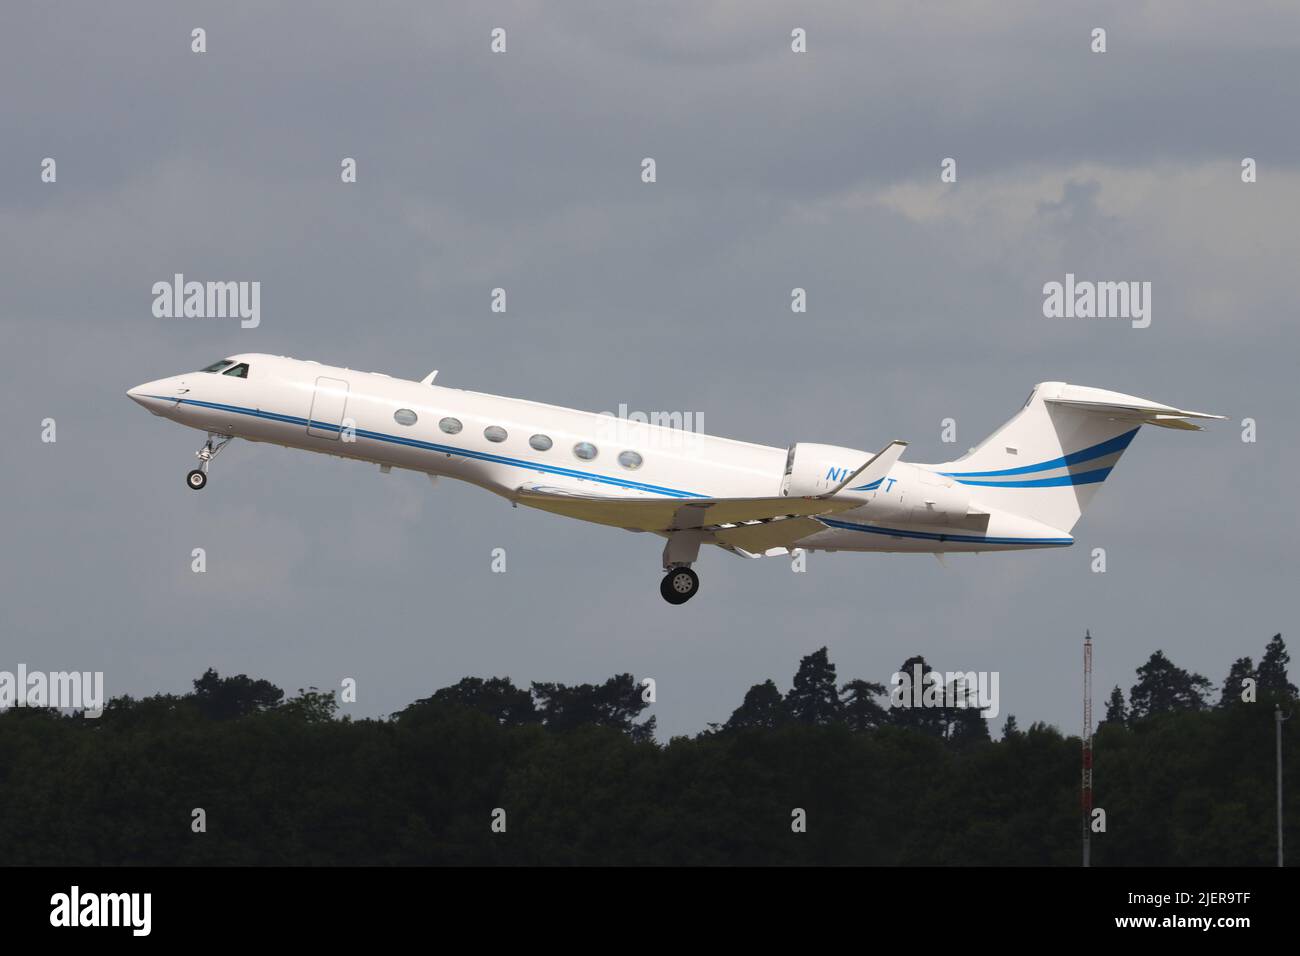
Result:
x=428 y=379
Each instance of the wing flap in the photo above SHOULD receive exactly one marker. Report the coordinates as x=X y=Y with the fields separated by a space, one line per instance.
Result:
x=675 y=514
x=757 y=538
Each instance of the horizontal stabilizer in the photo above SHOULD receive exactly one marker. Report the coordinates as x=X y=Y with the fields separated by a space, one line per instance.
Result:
x=1128 y=408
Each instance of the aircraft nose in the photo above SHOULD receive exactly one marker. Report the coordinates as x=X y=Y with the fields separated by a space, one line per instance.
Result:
x=154 y=396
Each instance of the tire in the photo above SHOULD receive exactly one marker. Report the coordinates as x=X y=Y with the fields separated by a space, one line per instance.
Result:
x=679 y=585
x=196 y=479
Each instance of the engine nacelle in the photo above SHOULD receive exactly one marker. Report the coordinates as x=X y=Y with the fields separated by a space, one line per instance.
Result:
x=906 y=494
x=917 y=495
x=812 y=469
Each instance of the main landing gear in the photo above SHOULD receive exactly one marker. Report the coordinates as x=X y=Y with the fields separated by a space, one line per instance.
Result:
x=679 y=585
x=198 y=478
x=682 y=550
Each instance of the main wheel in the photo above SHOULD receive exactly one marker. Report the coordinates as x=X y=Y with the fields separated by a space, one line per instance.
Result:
x=196 y=479
x=679 y=585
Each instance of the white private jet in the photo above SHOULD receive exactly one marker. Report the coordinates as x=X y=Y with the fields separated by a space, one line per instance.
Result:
x=1025 y=486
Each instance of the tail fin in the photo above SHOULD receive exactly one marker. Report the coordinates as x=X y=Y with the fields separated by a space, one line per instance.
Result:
x=1048 y=461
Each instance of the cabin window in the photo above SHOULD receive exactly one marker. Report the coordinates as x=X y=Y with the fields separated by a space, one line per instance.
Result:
x=585 y=450
x=239 y=371
x=494 y=433
x=217 y=366
x=540 y=442
x=629 y=460
x=450 y=425
x=404 y=416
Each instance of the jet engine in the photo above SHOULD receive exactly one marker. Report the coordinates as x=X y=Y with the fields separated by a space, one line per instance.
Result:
x=812 y=469
x=914 y=494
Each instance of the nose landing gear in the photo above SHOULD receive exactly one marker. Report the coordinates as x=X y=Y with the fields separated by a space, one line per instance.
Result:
x=198 y=478
x=679 y=585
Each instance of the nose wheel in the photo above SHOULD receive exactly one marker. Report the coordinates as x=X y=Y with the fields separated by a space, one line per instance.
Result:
x=679 y=585
x=198 y=478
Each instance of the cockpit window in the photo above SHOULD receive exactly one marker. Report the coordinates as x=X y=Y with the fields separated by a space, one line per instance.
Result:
x=239 y=371
x=217 y=366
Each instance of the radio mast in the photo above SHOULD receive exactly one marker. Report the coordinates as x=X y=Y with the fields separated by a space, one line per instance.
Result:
x=1086 y=789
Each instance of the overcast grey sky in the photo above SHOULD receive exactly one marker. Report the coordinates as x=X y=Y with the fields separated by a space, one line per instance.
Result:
x=522 y=170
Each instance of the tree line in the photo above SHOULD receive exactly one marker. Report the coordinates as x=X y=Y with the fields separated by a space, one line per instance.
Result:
x=487 y=772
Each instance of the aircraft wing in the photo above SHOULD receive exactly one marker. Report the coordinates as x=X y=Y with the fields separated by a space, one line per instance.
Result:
x=649 y=513
x=674 y=514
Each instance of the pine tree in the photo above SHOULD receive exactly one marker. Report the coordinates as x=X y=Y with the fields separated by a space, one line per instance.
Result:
x=1272 y=674
x=225 y=698
x=905 y=711
x=859 y=707
x=497 y=696
x=616 y=703
x=813 y=699
x=1116 y=712
x=1243 y=669
x=966 y=724
x=763 y=707
x=1163 y=688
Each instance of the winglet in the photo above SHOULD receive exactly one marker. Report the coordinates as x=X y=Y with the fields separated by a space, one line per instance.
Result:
x=874 y=469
